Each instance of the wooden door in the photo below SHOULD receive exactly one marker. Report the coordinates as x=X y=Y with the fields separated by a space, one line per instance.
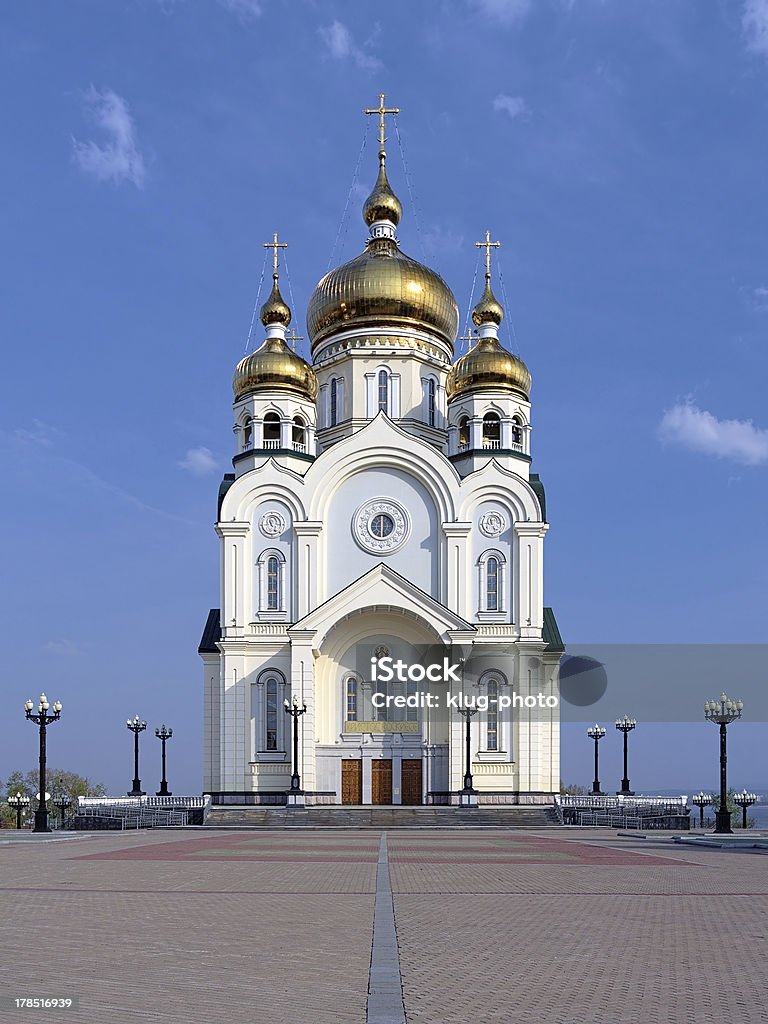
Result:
x=410 y=780
x=351 y=782
x=381 y=781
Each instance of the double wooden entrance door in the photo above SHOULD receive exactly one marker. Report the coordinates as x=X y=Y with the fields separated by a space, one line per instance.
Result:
x=381 y=781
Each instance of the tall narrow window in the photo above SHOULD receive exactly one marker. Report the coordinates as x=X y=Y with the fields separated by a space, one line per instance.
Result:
x=464 y=432
x=351 y=699
x=492 y=717
x=492 y=584
x=431 y=406
x=271 y=430
x=334 y=414
x=411 y=714
x=383 y=391
x=271 y=713
x=299 y=434
x=517 y=430
x=273 y=584
x=247 y=434
x=491 y=430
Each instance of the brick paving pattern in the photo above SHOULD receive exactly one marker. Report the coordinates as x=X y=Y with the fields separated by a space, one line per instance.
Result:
x=510 y=927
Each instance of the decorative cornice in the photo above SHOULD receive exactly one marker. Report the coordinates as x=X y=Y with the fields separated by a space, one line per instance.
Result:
x=232 y=529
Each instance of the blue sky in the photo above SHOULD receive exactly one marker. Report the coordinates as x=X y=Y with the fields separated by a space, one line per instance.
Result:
x=617 y=149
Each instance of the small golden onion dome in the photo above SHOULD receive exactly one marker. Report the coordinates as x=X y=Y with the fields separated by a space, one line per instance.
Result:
x=274 y=367
x=488 y=310
x=488 y=367
x=382 y=203
x=382 y=287
x=275 y=310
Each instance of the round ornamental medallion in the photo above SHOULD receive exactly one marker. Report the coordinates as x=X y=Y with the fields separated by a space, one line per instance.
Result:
x=380 y=525
x=272 y=524
x=492 y=524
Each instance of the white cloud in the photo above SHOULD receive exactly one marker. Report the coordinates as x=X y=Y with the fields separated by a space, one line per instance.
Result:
x=199 y=461
x=690 y=427
x=119 y=159
x=754 y=22
x=244 y=9
x=64 y=648
x=439 y=240
x=39 y=433
x=512 y=105
x=342 y=46
x=505 y=11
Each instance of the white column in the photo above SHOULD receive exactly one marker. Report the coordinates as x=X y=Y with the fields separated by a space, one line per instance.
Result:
x=530 y=578
x=322 y=406
x=453 y=440
x=286 y=434
x=307 y=562
x=234 y=578
x=303 y=688
x=309 y=433
x=370 y=395
x=506 y=433
x=394 y=396
x=475 y=433
x=455 y=587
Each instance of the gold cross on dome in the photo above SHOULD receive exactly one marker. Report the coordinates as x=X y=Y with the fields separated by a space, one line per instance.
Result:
x=381 y=110
x=274 y=245
x=488 y=245
x=293 y=338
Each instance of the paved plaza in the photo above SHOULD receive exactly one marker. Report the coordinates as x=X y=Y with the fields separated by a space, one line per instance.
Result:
x=277 y=927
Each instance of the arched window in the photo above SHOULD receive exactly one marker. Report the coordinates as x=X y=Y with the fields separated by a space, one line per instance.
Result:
x=351 y=695
x=271 y=430
x=492 y=584
x=464 y=432
x=334 y=410
x=299 y=434
x=383 y=400
x=491 y=430
x=491 y=575
x=273 y=583
x=517 y=430
x=431 y=401
x=492 y=716
x=247 y=434
x=272 y=687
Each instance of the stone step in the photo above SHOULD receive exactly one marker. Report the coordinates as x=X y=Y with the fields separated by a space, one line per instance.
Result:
x=381 y=817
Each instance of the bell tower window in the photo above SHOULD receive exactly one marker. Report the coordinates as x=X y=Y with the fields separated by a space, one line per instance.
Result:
x=299 y=434
x=271 y=430
x=334 y=410
x=464 y=432
x=491 y=430
x=431 y=401
x=383 y=397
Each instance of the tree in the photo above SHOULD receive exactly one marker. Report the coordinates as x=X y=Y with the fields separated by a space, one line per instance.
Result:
x=573 y=789
x=59 y=783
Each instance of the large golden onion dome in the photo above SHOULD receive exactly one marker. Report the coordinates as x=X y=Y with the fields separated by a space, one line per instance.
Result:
x=488 y=367
x=274 y=367
x=382 y=287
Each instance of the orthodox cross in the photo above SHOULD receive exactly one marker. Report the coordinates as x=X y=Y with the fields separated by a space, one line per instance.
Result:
x=274 y=245
x=293 y=338
x=381 y=110
x=487 y=245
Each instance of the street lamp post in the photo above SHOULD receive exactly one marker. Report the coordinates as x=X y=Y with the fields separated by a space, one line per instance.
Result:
x=701 y=800
x=295 y=712
x=744 y=800
x=163 y=735
x=468 y=780
x=625 y=725
x=63 y=803
x=43 y=719
x=18 y=803
x=596 y=733
x=722 y=712
x=136 y=725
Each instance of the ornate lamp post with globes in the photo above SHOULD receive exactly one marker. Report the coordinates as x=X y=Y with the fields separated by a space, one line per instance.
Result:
x=295 y=712
x=744 y=800
x=701 y=800
x=18 y=803
x=63 y=802
x=625 y=725
x=163 y=735
x=596 y=733
x=136 y=725
x=722 y=712
x=468 y=797
x=42 y=719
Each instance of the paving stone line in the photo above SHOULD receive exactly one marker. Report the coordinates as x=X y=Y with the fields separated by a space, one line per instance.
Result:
x=385 y=987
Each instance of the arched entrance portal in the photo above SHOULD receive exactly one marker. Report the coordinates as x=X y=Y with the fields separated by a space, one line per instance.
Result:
x=378 y=742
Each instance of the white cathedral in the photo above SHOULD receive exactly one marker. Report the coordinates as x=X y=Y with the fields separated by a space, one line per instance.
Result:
x=381 y=501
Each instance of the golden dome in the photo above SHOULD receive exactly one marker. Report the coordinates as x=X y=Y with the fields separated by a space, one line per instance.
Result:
x=382 y=287
x=275 y=310
x=488 y=367
x=274 y=367
x=382 y=203
x=488 y=310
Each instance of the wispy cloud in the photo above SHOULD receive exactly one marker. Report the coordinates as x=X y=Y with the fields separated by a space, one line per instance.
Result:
x=39 y=433
x=754 y=22
x=690 y=427
x=119 y=158
x=507 y=12
x=244 y=9
x=63 y=648
x=341 y=46
x=439 y=241
x=199 y=461
x=512 y=105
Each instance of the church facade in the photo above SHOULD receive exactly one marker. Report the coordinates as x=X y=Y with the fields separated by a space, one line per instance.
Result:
x=382 y=509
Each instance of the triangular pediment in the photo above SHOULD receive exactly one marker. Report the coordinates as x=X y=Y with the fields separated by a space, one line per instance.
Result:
x=384 y=589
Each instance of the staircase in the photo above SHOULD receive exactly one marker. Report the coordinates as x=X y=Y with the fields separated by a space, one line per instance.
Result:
x=518 y=816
